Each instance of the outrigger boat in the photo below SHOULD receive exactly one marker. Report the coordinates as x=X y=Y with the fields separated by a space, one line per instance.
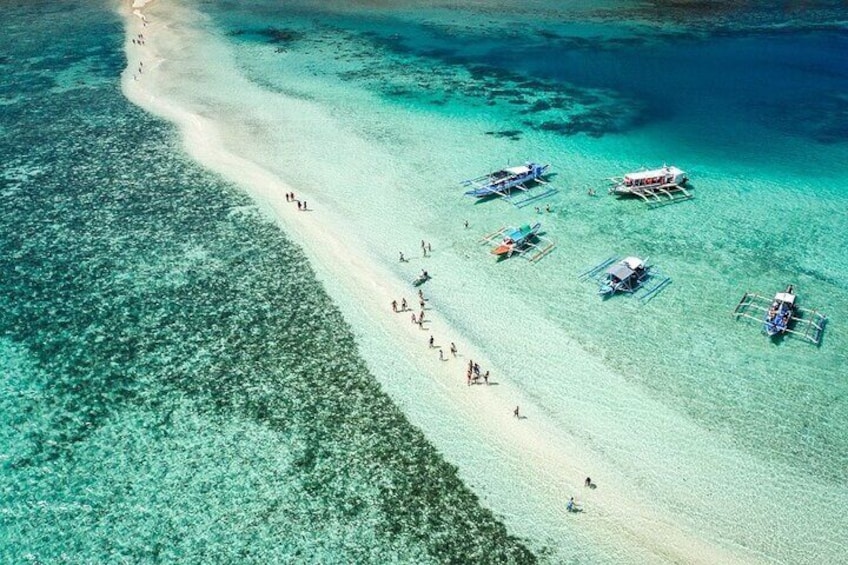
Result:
x=504 y=181
x=780 y=313
x=630 y=275
x=656 y=186
x=516 y=239
x=778 y=316
x=523 y=239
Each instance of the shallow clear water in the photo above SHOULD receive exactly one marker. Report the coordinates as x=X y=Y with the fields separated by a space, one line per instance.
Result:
x=176 y=385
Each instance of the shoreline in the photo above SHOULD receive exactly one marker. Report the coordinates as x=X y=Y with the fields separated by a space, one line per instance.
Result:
x=552 y=461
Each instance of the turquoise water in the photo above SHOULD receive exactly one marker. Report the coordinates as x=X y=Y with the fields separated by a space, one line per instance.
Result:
x=375 y=113
x=176 y=385
x=179 y=386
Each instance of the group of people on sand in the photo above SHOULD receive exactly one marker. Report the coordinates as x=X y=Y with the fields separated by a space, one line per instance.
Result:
x=138 y=40
x=473 y=374
x=300 y=205
x=403 y=306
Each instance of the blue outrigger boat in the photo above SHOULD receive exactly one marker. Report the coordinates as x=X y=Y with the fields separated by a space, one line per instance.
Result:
x=504 y=181
x=781 y=312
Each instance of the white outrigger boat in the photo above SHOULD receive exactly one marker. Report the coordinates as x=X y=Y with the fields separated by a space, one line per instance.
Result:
x=630 y=275
x=781 y=312
x=504 y=181
x=655 y=186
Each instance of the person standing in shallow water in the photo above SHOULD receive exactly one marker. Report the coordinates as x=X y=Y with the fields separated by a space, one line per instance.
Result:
x=515 y=412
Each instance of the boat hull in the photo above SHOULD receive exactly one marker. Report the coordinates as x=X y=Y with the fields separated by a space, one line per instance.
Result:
x=648 y=181
x=496 y=186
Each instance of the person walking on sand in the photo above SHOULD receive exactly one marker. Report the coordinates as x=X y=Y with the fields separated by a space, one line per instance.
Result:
x=570 y=505
x=515 y=412
x=414 y=321
x=420 y=294
x=431 y=341
x=402 y=258
x=588 y=482
x=486 y=378
x=394 y=306
x=453 y=349
x=403 y=305
x=441 y=355
x=298 y=205
x=304 y=205
x=421 y=303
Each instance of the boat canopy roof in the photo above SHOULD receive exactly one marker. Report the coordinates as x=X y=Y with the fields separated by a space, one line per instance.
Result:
x=667 y=170
x=521 y=232
x=633 y=262
x=621 y=271
x=785 y=297
x=522 y=170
